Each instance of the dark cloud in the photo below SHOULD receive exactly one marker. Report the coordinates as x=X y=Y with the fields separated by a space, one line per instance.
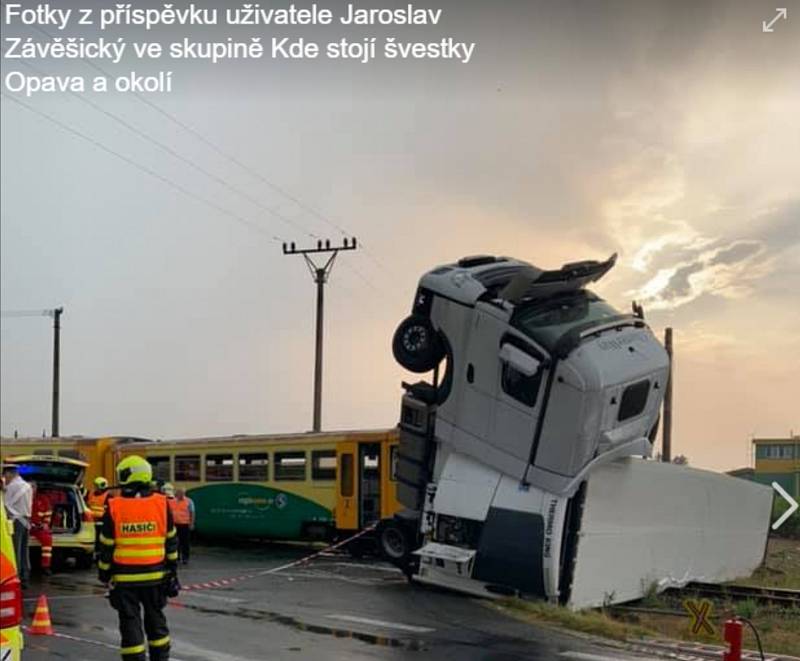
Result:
x=736 y=252
x=679 y=285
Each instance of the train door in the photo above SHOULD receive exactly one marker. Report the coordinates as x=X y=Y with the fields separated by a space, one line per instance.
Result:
x=347 y=490
x=369 y=464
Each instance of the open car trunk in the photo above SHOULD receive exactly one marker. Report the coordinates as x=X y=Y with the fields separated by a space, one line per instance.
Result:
x=67 y=511
x=58 y=478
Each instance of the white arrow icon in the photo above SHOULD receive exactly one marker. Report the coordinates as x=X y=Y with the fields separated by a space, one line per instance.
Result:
x=793 y=505
x=767 y=27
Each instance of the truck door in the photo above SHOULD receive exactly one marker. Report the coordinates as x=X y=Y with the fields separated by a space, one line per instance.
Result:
x=346 y=486
x=523 y=377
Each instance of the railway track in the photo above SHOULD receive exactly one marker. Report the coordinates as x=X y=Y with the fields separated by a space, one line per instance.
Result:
x=775 y=597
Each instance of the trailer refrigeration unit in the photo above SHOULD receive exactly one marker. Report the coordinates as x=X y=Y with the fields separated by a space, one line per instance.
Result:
x=523 y=465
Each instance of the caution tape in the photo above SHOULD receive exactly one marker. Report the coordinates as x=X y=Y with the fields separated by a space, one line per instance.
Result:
x=225 y=582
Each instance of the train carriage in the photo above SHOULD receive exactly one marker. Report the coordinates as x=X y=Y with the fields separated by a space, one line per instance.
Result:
x=282 y=486
x=277 y=486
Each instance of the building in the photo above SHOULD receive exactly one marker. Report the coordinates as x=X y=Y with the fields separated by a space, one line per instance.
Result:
x=778 y=460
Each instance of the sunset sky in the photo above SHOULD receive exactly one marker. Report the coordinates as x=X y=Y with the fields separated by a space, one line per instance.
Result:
x=665 y=131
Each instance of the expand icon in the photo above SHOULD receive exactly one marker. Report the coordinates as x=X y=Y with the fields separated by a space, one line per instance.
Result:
x=793 y=505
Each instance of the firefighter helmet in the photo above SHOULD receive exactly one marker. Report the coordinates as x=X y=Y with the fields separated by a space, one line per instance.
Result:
x=168 y=489
x=134 y=469
x=101 y=483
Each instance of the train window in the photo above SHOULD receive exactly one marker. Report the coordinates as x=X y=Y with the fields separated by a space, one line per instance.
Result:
x=290 y=465
x=219 y=467
x=323 y=465
x=187 y=468
x=254 y=467
x=346 y=476
x=161 y=468
x=44 y=453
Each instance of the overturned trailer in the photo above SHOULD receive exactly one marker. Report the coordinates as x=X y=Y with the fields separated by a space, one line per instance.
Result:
x=523 y=465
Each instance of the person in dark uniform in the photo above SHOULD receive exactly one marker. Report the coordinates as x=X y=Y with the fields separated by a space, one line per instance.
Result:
x=138 y=561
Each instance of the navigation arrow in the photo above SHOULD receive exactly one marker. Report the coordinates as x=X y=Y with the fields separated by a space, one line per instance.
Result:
x=793 y=505
x=782 y=13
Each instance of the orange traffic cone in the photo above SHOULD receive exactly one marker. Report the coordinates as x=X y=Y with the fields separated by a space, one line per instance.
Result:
x=41 y=619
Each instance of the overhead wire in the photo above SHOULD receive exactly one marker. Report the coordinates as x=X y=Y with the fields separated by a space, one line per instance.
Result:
x=147 y=170
x=179 y=156
x=213 y=146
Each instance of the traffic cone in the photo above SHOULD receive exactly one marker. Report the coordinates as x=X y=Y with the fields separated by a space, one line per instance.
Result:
x=41 y=619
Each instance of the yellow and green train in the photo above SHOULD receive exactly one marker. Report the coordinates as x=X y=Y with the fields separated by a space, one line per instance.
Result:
x=277 y=486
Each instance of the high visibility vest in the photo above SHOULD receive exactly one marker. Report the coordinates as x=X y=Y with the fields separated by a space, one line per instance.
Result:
x=140 y=534
x=97 y=503
x=181 y=515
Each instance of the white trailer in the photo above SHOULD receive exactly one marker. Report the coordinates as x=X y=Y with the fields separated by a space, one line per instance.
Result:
x=524 y=467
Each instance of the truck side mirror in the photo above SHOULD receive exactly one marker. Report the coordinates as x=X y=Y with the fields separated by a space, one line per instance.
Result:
x=522 y=362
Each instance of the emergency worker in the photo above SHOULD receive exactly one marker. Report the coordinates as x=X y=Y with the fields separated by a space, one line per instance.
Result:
x=138 y=560
x=41 y=526
x=182 y=508
x=97 y=504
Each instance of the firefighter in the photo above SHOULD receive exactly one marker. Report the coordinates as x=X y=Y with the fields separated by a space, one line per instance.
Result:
x=97 y=504
x=138 y=560
x=41 y=526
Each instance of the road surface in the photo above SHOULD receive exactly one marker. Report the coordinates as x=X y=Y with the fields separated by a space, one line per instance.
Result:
x=331 y=608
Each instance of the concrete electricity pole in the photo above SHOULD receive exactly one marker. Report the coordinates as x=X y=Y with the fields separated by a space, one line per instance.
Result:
x=56 y=367
x=56 y=315
x=320 y=276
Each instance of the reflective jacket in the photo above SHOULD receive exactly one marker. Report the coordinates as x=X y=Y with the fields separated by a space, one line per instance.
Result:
x=97 y=503
x=138 y=544
x=42 y=511
x=181 y=511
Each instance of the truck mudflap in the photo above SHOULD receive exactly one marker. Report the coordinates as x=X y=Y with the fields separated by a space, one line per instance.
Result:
x=649 y=525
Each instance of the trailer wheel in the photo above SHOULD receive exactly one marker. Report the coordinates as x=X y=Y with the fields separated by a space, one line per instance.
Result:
x=416 y=344
x=394 y=542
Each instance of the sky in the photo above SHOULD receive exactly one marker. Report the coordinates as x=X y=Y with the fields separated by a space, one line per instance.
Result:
x=664 y=131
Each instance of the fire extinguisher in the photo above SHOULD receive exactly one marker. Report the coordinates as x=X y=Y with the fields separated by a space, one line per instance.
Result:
x=733 y=636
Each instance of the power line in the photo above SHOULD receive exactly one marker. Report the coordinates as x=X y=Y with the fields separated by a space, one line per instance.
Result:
x=166 y=180
x=27 y=313
x=179 y=156
x=225 y=155
x=237 y=162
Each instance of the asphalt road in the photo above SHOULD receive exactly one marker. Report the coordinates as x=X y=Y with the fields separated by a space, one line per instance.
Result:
x=331 y=608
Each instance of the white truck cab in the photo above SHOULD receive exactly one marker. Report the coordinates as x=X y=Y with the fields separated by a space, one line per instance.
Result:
x=518 y=456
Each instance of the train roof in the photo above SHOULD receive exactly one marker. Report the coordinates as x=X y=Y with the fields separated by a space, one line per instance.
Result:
x=296 y=437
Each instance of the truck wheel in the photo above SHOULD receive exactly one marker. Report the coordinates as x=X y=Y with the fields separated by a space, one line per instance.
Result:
x=416 y=344
x=394 y=542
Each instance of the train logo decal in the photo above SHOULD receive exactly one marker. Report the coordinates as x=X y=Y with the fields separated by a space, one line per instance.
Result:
x=281 y=500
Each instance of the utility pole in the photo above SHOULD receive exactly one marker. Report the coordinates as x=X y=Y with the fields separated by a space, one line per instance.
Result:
x=666 y=431
x=320 y=275
x=56 y=315
x=56 y=367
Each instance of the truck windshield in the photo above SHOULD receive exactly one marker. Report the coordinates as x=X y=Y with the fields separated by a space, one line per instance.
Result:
x=547 y=321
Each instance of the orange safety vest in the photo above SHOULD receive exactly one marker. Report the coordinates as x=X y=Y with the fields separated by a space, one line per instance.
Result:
x=97 y=503
x=181 y=515
x=140 y=534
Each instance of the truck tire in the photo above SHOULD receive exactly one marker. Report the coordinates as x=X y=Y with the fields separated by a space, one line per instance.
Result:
x=394 y=542
x=416 y=344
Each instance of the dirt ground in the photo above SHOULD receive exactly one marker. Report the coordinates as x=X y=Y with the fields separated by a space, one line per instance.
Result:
x=779 y=629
